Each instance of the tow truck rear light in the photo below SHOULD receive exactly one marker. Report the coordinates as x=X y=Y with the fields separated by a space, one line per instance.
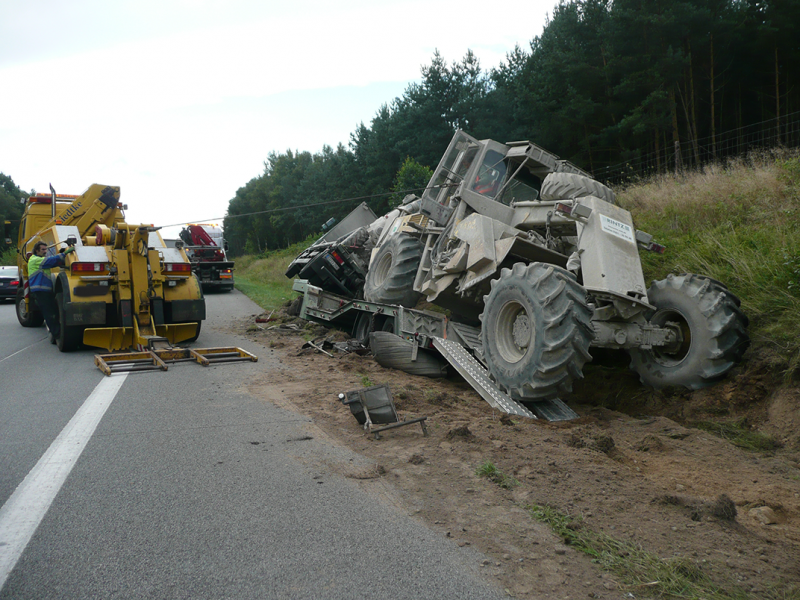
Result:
x=179 y=268
x=337 y=258
x=86 y=267
x=226 y=274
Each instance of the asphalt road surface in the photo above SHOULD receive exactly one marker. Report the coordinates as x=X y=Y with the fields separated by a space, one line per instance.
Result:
x=183 y=485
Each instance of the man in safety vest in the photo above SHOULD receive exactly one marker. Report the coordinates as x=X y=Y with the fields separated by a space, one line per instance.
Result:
x=39 y=265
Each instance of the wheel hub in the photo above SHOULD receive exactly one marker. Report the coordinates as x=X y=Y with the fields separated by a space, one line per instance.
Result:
x=514 y=332
x=522 y=331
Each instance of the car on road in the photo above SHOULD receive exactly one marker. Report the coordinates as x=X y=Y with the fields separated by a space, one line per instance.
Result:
x=9 y=283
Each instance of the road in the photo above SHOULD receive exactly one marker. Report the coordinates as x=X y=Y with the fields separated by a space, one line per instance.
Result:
x=187 y=486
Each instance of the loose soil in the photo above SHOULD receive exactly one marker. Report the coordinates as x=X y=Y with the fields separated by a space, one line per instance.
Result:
x=632 y=466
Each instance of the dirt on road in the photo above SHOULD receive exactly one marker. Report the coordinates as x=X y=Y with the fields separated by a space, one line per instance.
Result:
x=635 y=473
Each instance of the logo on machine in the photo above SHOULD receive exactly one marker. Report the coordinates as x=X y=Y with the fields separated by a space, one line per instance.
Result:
x=617 y=228
x=70 y=211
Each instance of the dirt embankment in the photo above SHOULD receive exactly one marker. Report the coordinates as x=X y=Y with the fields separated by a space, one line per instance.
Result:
x=632 y=467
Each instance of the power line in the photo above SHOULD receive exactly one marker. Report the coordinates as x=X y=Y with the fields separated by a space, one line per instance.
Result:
x=304 y=206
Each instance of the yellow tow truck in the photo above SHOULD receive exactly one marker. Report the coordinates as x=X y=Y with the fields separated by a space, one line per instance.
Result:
x=122 y=288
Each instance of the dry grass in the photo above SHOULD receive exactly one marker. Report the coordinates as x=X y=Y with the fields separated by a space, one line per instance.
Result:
x=740 y=224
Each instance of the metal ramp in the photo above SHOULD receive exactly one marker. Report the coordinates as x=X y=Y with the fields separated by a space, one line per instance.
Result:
x=478 y=377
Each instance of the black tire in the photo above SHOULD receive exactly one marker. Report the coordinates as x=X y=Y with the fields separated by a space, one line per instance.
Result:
x=196 y=335
x=714 y=330
x=70 y=338
x=390 y=279
x=362 y=328
x=393 y=352
x=536 y=331
x=559 y=186
x=32 y=318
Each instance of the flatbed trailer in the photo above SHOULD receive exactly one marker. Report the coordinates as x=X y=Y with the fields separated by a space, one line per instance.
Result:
x=458 y=343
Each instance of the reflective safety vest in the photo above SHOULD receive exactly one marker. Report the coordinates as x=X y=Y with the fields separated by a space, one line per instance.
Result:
x=39 y=271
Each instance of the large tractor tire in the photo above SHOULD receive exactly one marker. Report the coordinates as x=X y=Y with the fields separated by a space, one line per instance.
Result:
x=558 y=186
x=69 y=338
x=27 y=318
x=536 y=331
x=714 y=333
x=390 y=279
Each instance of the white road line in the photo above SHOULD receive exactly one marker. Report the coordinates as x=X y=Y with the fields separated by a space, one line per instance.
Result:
x=27 y=506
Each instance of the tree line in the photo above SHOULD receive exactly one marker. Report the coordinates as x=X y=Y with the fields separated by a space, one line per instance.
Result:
x=606 y=82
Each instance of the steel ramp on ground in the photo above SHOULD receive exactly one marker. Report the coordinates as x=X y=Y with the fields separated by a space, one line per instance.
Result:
x=552 y=410
x=478 y=377
x=151 y=360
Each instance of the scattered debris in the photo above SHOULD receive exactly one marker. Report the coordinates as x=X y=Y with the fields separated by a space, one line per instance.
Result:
x=319 y=348
x=375 y=405
x=265 y=320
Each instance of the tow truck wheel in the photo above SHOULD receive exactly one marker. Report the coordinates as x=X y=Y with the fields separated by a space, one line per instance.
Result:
x=27 y=318
x=713 y=330
x=536 y=331
x=69 y=337
x=196 y=334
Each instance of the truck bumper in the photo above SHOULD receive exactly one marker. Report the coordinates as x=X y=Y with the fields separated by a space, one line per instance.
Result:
x=217 y=284
x=85 y=313
x=188 y=310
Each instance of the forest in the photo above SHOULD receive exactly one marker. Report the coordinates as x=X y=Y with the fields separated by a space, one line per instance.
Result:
x=621 y=88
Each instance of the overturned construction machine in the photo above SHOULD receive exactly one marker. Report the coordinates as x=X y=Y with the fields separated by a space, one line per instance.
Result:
x=121 y=288
x=536 y=251
x=537 y=255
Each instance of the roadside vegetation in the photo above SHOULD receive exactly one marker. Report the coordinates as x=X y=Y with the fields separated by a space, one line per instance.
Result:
x=8 y=257
x=643 y=573
x=740 y=224
x=495 y=475
x=261 y=277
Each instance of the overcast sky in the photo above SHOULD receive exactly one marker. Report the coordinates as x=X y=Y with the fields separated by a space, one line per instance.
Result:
x=179 y=102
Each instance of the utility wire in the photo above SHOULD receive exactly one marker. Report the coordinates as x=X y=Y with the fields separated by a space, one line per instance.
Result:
x=303 y=206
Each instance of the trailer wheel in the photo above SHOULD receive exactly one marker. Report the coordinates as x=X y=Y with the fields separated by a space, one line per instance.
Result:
x=536 y=330
x=393 y=352
x=70 y=337
x=390 y=279
x=362 y=328
x=27 y=318
x=558 y=186
x=713 y=327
